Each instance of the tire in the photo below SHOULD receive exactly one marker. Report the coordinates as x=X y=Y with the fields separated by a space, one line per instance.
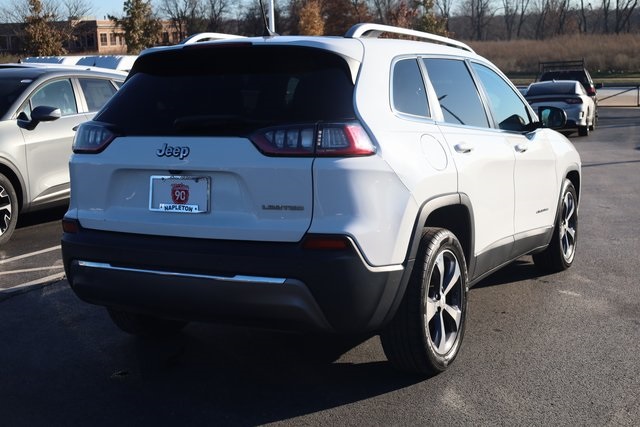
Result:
x=143 y=325
x=560 y=253
x=583 y=130
x=8 y=209
x=594 y=121
x=425 y=335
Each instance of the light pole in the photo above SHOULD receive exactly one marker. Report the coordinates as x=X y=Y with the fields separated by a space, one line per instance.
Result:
x=272 y=16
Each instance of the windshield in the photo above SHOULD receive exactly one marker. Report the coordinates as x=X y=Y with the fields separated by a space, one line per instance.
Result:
x=10 y=90
x=231 y=90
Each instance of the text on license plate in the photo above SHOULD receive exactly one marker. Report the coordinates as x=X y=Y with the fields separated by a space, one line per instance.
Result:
x=180 y=194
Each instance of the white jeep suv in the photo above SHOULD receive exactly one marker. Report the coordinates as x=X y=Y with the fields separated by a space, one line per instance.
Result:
x=339 y=184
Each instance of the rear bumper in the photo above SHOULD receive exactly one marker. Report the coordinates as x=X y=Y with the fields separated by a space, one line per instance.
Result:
x=278 y=285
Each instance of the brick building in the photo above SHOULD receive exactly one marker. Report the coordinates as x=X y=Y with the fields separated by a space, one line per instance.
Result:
x=103 y=37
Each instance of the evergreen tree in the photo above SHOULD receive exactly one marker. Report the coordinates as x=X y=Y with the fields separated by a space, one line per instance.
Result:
x=141 y=27
x=42 y=38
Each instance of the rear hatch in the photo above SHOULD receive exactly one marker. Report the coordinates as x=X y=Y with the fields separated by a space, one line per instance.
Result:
x=214 y=141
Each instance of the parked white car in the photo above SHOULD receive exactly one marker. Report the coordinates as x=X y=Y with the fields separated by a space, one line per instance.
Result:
x=570 y=96
x=40 y=107
x=347 y=185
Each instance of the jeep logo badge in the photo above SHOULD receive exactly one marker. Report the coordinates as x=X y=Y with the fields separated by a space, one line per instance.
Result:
x=169 y=151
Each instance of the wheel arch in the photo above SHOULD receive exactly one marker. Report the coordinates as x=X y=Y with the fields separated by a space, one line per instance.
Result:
x=574 y=177
x=453 y=212
x=16 y=180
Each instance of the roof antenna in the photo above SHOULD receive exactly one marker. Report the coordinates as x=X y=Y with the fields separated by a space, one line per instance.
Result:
x=266 y=31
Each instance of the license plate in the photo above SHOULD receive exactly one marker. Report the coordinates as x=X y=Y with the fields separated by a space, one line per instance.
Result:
x=179 y=194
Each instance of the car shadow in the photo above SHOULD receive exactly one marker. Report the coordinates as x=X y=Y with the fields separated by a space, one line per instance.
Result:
x=520 y=270
x=83 y=366
x=42 y=216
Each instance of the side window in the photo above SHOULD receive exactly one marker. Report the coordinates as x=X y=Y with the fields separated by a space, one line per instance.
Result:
x=456 y=91
x=97 y=92
x=409 y=95
x=57 y=94
x=508 y=109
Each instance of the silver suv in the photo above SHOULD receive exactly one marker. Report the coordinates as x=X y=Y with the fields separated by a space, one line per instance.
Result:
x=40 y=106
x=347 y=185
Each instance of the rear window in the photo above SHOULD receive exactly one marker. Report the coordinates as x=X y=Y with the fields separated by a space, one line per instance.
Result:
x=557 y=88
x=231 y=90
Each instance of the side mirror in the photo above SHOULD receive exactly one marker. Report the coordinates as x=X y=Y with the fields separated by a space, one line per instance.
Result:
x=552 y=117
x=39 y=114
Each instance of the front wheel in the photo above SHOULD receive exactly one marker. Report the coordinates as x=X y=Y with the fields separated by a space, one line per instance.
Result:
x=8 y=209
x=425 y=334
x=560 y=253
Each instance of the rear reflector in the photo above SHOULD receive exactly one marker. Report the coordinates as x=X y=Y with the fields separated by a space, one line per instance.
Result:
x=70 y=225
x=321 y=242
x=314 y=140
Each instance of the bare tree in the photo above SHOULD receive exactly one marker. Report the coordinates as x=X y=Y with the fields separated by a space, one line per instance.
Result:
x=444 y=9
x=606 y=9
x=76 y=9
x=183 y=14
x=383 y=9
x=216 y=11
x=623 y=12
x=542 y=9
x=479 y=13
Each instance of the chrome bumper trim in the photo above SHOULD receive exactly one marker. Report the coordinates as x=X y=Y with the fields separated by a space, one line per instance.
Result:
x=231 y=279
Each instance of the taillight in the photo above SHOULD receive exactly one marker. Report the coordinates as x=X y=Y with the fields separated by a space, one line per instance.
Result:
x=92 y=137
x=324 y=139
x=573 y=101
x=591 y=91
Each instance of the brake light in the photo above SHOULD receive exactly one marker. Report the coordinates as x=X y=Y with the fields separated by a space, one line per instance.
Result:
x=320 y=140
x=573 y=101
x=92 y=137
x=591 y=91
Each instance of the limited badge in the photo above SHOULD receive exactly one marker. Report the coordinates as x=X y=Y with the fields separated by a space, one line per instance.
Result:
x=179 y=193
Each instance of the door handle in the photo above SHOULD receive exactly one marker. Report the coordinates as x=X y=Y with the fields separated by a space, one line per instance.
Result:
x=463 y=147
x=521 y=148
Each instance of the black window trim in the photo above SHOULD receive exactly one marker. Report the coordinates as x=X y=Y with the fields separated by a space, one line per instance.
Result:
x=433 y=100
x=401 y=114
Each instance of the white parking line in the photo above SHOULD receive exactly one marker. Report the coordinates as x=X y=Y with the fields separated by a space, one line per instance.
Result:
x=28 y=270
x=16 y=258
x=41 y=281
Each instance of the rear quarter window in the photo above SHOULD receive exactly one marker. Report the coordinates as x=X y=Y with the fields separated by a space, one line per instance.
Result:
x=408 y=92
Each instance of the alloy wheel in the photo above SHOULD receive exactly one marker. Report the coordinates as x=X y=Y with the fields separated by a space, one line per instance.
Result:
x=443 y=303
x=568 y=227
x=5 y=210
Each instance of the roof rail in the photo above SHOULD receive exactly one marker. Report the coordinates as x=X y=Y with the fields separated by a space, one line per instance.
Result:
x=374 y=30
x=201 y=37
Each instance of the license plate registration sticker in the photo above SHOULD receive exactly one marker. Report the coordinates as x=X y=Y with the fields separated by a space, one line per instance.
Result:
x=179 y=194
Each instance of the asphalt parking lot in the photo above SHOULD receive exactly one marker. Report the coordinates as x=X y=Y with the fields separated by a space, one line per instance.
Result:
x=561 y=349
